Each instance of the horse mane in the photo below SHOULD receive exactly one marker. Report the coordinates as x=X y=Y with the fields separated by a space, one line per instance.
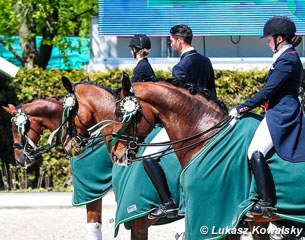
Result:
x=206 y=93
x=86 y=82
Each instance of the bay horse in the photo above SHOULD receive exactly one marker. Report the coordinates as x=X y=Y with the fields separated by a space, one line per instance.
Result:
x=196 y=120
x=38 y=115
x=94 y=104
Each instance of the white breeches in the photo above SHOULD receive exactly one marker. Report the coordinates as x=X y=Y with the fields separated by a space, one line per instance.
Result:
x=160 y=137
x=261 y=140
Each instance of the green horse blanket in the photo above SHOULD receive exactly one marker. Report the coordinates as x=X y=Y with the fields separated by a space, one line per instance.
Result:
x=219 y=187
x=91 y=174
x=134 y=192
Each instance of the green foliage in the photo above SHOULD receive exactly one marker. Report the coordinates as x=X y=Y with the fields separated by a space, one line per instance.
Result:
x=53 y=20
x=73 y=16
x=233 y=87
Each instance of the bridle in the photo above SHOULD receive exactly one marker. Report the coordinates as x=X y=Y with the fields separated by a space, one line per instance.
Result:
x=22 y=123
x=129 y=108
x=79 y=141
x=30 y=149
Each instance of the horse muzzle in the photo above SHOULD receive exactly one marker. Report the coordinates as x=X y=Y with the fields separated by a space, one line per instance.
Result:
x=22 y=160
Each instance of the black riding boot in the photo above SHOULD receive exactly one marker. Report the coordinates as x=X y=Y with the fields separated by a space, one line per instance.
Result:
x=156 y=174
x=265 y=186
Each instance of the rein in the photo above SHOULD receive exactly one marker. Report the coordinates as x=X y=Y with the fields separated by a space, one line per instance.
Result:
x=218 y=126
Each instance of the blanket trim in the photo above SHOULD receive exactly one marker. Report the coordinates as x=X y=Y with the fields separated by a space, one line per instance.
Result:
x=105 y=192
x=246 y=209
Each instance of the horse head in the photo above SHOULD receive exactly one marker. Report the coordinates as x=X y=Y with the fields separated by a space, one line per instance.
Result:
x=92 y=115
x=28 y=122
x=124 y=144
x=182 y=114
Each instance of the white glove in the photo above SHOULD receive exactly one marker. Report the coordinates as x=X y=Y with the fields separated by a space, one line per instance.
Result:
x=234 y=113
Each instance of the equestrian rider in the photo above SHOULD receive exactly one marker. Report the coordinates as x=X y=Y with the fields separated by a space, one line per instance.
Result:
x=140 y=46
x=193 y=68
x=283 y=126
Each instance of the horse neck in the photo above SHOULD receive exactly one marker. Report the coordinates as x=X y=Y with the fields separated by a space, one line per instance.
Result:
x=95 y=104
x=47 y=111
x=182 y=114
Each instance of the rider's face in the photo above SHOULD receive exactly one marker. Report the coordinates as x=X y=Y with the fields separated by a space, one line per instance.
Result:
x=176 y=43
x=270 y=42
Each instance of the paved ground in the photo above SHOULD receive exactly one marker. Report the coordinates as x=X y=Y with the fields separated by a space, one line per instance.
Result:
x=50 y=216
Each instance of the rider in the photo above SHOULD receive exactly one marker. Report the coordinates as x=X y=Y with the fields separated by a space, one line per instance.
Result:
x=283 y=126
x=193 y=68
x=140 y=48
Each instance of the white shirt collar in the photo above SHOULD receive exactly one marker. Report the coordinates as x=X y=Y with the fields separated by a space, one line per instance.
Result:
x=279 y=52
x=187 y=50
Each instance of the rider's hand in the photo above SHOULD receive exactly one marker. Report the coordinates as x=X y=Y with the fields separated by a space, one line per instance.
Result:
x=234 y=113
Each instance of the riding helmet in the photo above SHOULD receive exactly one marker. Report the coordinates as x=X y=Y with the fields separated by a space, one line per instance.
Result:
x=279 y=25
x=140 y=41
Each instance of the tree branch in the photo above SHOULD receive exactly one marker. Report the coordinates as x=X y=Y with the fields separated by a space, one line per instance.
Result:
x=9 y=47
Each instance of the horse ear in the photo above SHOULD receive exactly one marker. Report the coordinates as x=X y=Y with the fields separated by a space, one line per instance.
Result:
x=67 y=84
x=11 y=109
x=126 y=84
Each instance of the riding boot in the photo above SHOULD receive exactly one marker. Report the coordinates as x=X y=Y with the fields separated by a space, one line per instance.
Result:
x=156 y=174
x=265 y=186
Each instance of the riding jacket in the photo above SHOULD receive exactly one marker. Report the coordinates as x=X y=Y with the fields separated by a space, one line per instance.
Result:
x=143 y=71
x=284 y=114
x=196 y=69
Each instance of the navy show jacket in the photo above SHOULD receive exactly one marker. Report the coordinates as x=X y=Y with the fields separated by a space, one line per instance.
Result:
x=143 y=71
x=196 y=69
x=284 y=115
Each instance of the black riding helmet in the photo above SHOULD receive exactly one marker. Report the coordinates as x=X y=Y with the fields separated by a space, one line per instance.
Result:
x=279 y=25
x=140 y=41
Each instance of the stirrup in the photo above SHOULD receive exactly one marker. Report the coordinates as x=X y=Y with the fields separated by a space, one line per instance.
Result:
x=167 y=209
x=262 y=208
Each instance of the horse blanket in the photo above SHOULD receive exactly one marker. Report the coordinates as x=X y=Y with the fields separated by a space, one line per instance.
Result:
x=91 y=174
x=134 y=192
x=219 y=187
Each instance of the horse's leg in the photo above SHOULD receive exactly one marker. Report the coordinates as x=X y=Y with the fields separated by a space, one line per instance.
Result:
x=256 y=233
x=94 y=220
x=139 y=228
